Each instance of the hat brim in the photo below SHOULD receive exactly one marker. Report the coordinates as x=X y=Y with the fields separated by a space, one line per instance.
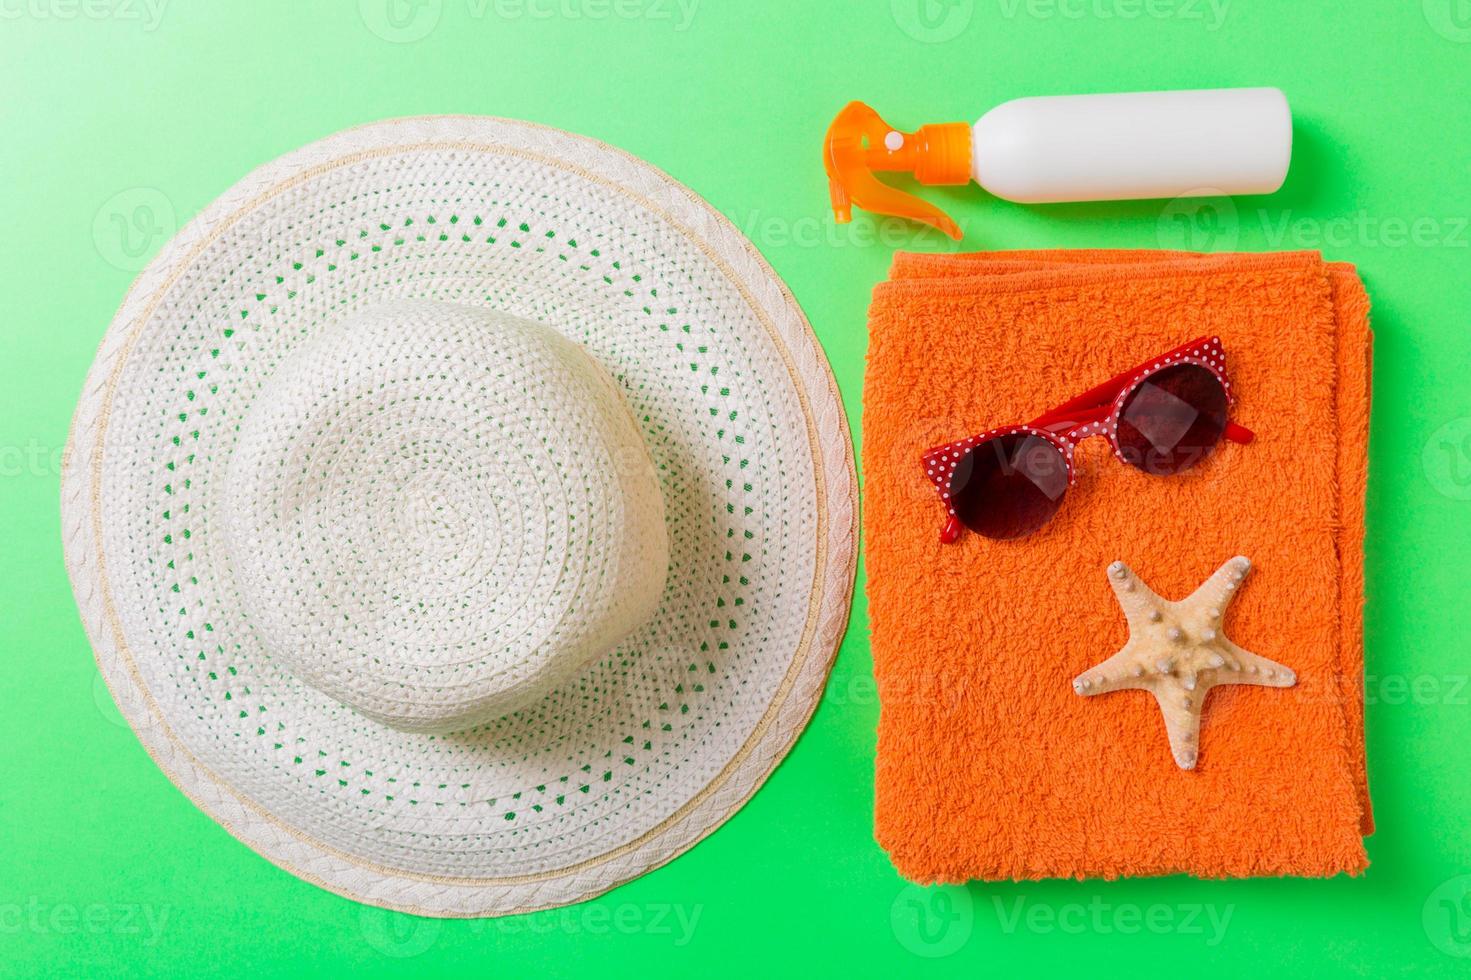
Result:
x=242 y=739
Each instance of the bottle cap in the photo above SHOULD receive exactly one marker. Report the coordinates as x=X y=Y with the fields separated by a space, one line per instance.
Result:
x=859 y=144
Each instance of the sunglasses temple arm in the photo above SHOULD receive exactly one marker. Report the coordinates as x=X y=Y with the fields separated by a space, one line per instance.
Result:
x=1084 y=407
x=1239 y=433
x=1088 y=406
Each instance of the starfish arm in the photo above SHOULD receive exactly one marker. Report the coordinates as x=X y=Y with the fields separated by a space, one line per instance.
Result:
x=1178 y=652
x=1217 y=591
x=1117 y=673
x=1135 y=598
x=1258 y=670
x=1181 y=711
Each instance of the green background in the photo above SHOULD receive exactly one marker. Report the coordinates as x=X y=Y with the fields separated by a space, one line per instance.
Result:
x=122 y=118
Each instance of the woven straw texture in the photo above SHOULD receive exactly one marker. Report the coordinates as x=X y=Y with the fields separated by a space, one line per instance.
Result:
x=184 y=456
x=438 y=514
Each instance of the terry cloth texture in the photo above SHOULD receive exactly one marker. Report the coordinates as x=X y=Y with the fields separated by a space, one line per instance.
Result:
x=989 y=766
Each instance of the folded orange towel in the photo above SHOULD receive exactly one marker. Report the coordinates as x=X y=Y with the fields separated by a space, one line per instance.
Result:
x=989 y=765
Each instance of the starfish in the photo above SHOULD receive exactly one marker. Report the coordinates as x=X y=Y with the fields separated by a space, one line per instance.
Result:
x=1177 y=651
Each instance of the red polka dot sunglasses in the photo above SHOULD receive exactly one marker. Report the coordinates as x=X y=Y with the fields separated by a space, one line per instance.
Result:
x=1162 y=417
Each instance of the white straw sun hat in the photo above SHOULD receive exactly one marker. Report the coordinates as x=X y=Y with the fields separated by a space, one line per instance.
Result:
x=462 y=514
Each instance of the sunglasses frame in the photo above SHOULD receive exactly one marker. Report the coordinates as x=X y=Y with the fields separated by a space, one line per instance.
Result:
x=1093 y=413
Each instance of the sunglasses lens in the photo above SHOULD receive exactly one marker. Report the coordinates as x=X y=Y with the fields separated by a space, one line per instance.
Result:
x=1009 y=486
x=1173 y=420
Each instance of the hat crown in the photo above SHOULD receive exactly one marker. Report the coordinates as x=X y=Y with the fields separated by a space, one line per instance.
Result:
x=439 y=513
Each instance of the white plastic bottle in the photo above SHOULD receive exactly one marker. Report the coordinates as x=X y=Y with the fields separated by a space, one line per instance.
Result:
x=1070 y=148
x=1134 y=145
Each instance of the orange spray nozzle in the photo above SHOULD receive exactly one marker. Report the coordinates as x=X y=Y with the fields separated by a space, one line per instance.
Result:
x=859 y=144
